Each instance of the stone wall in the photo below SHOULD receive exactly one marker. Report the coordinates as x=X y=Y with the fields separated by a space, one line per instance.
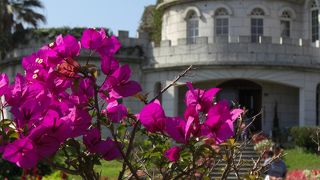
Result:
x=174 y=19
x=287 y=98
x=236 y=51
x=277 y=82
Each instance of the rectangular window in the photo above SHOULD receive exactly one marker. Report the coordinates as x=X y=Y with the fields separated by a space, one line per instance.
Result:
x=192 y=31
x=256 y=29
x=222 y=26
x=285 y=28
x=315 y=25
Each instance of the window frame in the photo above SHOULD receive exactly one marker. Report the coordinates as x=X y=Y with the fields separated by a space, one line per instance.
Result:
x=221 y=17
x=192 y=31
x=255 y=38
x=289 y=30
x=286 y=16
x=312 y=32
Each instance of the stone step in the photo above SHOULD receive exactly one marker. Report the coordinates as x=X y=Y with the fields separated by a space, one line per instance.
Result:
x=248 y=153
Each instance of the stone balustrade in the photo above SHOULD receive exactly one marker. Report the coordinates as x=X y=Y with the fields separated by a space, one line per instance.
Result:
x=237 y=51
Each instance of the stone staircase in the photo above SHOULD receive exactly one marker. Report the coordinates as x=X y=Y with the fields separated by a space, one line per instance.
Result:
x=247 y=155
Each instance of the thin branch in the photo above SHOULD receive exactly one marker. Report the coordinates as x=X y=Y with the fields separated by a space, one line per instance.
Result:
x=137 y=124
x=133 y=171
x=64 y=169
x=182 y=74
x=97 y=107
x=253 y=119
x=143 y=165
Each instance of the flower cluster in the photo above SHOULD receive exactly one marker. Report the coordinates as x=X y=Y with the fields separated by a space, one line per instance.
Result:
x=303 y=174
x=202 y=120
x=52 y=102
x=58 y=105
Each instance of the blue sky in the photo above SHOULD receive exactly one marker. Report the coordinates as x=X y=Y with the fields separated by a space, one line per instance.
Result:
x=114 y=14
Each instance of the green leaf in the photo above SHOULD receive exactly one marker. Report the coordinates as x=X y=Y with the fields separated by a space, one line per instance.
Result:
x=73 y=143
x=6 y=123
x=206 y=178
x=249 y=177
x=231 y=141
x=13 y=134
x=199 y=144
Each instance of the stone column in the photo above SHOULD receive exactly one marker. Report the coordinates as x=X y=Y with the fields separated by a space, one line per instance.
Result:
x=310 y=106
x=301 y=107
x=307 y=105
x=170 y=100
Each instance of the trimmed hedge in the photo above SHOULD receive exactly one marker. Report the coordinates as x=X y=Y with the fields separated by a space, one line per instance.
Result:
x=302 y=137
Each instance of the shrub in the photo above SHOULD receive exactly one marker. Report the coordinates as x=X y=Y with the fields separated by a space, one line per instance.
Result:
x=303 y=175
x=302 y=137
x=256 y=138
x=263 y=145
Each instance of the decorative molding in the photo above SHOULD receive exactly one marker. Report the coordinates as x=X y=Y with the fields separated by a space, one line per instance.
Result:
x=189 y=9
x=264 y=8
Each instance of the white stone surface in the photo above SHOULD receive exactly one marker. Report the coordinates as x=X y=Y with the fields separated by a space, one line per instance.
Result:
x=174 y=23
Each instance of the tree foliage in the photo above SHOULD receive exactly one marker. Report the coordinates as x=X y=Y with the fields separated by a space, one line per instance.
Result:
x=151 y=22
x=15 y=16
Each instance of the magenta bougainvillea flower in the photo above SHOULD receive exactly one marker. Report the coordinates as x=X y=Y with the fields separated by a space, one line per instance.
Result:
x=79 y=119
x=109 y=46
x=110 y=150
x=152 y=117
x=173 y=154
x=27 y=114
x=100 y=42
x=91 y=139
x=220 y=120
x=200 y=99
x=192 y=121
x=109 y=65
x=53 y=100
x=118 y=84
x=83 y=90
x=202 y=118
x=116 y=112
x=21 y=152
x=107 y=148
x=67 y=47
x=38 y=65
x=21 y=91
x=176 y=129
x=91 y=39
x=56 y=100
x=4 y=82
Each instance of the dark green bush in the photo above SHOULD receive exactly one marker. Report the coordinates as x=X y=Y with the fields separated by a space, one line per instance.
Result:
x=302 y=137
x=11 y=171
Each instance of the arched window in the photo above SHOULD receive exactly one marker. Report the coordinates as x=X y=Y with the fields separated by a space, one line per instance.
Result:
x=257 y=12
x=222 y=22
x=192 y=27
x=314 y=21
x=256 y=24
x=285 y=24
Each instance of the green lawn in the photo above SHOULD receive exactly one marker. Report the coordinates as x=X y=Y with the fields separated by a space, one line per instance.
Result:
x=299 y=159
x=109 y=169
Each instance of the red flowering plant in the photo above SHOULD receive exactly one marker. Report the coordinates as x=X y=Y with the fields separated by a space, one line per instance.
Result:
x=59 y=108
x=303 y=175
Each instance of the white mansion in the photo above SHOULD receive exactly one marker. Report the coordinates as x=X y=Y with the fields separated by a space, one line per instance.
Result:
x=264 y=54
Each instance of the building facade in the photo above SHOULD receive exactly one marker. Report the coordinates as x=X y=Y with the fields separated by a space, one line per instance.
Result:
x=263 y=54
